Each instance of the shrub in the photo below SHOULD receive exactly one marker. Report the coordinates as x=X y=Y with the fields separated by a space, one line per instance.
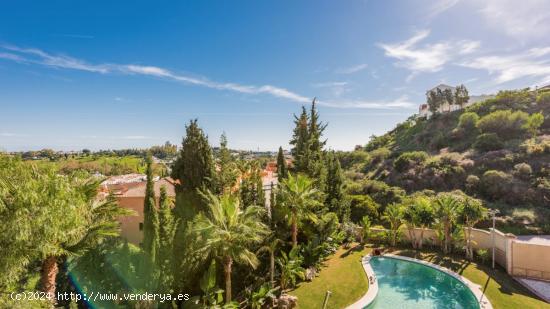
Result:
x=379 y=154
x=361 y=206
x=505 y=123
x=483 y=255
x=523 y=171
x=472 y=183
x=408 y=159
x=488 y=142
x=544 y=98
x=468 y=121
x=495 y=183
x=533 y=123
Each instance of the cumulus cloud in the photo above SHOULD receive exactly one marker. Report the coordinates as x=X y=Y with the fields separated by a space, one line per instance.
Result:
x=530 y=63
x=427 y=57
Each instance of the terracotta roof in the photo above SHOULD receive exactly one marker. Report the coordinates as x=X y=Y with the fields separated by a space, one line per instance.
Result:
x=137 y=188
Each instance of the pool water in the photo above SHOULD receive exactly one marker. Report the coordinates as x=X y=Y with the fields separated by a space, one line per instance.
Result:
x=409 y=285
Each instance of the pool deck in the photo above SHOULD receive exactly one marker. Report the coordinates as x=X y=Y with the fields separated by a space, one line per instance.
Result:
x=537 y=287
x=369 y=297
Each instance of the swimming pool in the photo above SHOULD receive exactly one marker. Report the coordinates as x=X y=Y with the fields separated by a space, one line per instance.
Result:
x=408 y=284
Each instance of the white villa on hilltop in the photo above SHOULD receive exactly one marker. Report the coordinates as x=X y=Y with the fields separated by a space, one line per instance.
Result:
x=424 y=110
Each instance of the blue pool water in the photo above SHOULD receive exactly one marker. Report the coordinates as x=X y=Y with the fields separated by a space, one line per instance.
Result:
x=409 y=285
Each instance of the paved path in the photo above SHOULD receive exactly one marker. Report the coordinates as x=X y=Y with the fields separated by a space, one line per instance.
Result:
x=539 y=288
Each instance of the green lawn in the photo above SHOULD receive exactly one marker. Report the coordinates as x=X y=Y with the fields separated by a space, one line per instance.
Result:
x=343 y=275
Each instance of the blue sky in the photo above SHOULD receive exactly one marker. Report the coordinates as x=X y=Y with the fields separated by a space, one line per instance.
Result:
x=117 y=74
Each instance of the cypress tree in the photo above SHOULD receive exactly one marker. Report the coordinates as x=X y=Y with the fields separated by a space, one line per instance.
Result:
x=194 y=168
x=227 y=175
x=150 y=215
x=335 y=196
x=166 y=236
x=281 y=165
x=300 y=141
x=251 y=189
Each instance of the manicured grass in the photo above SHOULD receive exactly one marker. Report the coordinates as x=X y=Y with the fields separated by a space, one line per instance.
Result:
x=501 y=289
x=342 y=274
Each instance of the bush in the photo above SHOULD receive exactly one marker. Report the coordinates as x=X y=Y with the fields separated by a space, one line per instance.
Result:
x=408 y=159
x=472 y=183
x=505 y=123
x=483 y=255
x=379 y=154
x=381 y=192
x=363 y=205
x=495 y=183
x=523 y=171
x=544 y=98
x=468 y=121
x=488 y=142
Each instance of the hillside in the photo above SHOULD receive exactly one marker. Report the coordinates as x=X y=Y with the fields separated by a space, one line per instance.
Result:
x=497 y=150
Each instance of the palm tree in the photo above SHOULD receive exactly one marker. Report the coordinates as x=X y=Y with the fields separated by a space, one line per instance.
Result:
x=410 y=216
x=299 y=198
x=68 y=218
x=392 y=214
x=227 y=231
x=425 y=216
x=291 y=268
x=471 y=212
x=271 y=247
x=365 y=225
x=446 y=211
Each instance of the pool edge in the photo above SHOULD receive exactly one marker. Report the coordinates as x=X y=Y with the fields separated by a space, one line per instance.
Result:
x=372 y=292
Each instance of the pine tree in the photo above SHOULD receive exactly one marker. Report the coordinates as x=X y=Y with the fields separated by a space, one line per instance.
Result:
x=281 y=165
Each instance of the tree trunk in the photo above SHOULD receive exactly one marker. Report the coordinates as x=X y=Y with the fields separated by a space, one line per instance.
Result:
x=421 y=238
x=447 y=238
x=272 y=268
x=412 y=237
x=227 y=263
x=48 y=276
x=469 y=251
x=294 y=232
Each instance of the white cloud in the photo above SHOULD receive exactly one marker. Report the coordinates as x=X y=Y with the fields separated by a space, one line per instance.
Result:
x=401 y=102
x=523 y=20
x=336 y=88
x=441 y=6
x=515 y=66
x=36 y=56
x=428 y=57
x=353 y=69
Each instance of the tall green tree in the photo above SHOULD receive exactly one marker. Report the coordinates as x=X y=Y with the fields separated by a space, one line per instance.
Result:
x=281 y=165
x=298 y=199
x=166 y=238
x=227 y=171
x=150 y=215
x=334 y=188
x=461 y=96
x=300 y=142
x=227 y=231
x=49 y=218
x=251 y=189
x=194 y=168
